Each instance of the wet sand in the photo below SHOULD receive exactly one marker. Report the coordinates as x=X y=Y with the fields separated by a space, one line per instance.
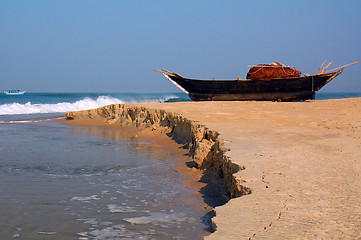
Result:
x=302 y=163
x=193 y=177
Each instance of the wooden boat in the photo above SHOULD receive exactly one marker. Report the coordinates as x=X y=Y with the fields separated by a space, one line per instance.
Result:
x=282 y=89
x=14 y=92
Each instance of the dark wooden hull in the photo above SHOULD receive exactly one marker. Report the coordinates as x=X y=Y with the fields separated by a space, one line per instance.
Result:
x=290 y=89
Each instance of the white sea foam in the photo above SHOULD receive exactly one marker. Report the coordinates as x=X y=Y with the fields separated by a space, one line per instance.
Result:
x=91 y=221
x=112 y=232
x=113 y=208
x=47 y=233
x=93 y=197
x=61 y=107
x=157 y=217
x=30 y=120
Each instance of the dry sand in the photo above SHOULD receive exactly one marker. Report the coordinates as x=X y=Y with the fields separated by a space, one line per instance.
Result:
x=302 y=162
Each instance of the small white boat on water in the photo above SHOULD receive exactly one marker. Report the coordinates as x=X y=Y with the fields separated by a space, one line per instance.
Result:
x=14 y=92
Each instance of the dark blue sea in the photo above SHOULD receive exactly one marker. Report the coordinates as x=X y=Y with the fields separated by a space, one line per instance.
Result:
x=59 y=181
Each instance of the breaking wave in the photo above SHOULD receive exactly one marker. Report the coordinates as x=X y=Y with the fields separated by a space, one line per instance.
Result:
x=62 y=107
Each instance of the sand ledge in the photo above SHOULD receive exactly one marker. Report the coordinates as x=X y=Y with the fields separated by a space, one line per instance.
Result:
x=203 y=144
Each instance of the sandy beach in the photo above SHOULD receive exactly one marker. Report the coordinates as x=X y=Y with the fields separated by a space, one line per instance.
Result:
x=300 y=160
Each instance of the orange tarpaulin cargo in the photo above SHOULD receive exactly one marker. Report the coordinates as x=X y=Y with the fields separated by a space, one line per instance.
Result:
x=267 y=72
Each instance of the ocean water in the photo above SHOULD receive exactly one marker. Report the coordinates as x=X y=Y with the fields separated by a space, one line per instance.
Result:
x=50 y=103
x=59 y=181
x=333 y=95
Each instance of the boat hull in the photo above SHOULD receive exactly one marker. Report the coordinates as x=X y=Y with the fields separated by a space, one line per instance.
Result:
x=284 y=96
x=290 y=89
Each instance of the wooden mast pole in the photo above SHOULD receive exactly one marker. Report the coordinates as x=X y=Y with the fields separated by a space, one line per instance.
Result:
x=341 y=67
x=323 y=69
x=320 y=67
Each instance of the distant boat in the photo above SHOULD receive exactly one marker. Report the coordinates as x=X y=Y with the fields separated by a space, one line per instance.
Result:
x=14 y=92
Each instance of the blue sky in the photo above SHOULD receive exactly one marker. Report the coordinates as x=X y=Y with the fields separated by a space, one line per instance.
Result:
x=111 y=46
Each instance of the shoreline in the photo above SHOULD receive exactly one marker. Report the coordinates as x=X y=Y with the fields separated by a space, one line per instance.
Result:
x=193 y=178
x=192 y=175
x=287 y=154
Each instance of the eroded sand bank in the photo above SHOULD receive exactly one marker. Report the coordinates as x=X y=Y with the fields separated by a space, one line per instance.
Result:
x=301 y=160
